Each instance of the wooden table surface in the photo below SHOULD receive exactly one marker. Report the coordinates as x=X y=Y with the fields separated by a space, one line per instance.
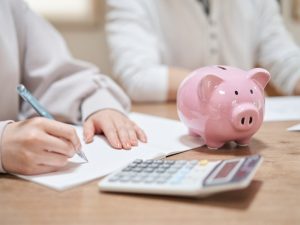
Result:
x=272 y=198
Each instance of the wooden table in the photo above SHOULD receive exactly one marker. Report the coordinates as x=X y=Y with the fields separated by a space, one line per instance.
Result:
x=272 y=198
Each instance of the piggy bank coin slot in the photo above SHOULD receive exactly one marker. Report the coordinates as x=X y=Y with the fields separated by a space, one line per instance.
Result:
x=221 y=67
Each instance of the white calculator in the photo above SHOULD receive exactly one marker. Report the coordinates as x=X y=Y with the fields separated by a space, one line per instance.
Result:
x=182 y=177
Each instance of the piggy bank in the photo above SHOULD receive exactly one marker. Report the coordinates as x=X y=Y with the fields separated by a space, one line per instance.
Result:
x=222 y=104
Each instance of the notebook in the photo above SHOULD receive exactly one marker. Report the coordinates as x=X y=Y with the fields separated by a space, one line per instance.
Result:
x=165 y=137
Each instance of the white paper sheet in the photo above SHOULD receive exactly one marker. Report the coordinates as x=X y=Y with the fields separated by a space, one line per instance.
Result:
x=165 y=137
x=294 y=128
x=282 y=108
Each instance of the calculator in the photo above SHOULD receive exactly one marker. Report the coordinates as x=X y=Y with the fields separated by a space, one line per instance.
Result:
x=198 y=178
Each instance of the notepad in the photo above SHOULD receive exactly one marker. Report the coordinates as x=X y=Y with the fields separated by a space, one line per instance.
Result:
x=165 y=137
x=282 y=108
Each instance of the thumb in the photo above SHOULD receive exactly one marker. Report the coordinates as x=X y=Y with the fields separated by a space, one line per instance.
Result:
x=88 y=131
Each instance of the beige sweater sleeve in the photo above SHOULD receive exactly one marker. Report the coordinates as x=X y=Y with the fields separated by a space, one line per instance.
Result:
x=2 y=127
x=71 y=90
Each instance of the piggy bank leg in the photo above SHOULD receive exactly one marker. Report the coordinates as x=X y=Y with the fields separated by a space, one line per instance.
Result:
x=193 y=132
x=214 y=144
x=244 y=142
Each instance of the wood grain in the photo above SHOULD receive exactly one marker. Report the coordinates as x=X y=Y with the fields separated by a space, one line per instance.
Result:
x=272 y=198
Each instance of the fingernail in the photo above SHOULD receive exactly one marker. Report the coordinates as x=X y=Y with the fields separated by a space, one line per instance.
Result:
x=128 y=146
x=118 y=145
x=134 y=142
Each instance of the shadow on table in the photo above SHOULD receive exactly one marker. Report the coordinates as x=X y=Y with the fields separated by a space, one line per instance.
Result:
x=231 y=148
x=237 y=199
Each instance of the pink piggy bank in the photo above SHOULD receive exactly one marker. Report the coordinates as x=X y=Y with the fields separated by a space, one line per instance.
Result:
x=222 y=103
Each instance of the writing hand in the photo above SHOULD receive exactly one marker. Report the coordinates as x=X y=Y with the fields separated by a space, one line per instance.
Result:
x=37 y=145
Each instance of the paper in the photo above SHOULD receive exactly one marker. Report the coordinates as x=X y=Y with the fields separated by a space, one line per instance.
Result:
x=294 y=128
x=165 y=137
x=282 y=108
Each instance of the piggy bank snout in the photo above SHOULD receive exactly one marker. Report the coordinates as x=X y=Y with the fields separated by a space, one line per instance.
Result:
x=245 y=116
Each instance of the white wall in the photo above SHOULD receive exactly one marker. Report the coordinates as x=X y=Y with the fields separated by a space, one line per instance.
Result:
x=87 y=42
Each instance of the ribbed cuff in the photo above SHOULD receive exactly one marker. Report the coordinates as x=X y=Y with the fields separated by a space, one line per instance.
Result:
x=2 y=128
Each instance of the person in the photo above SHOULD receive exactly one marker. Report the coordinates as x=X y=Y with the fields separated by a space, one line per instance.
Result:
x=33 y=53
x=154 y=45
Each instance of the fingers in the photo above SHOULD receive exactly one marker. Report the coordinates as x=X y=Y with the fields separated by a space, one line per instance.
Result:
x=112 y=136
x=123 y=135
x=38 y=169
x=58 y=145
x=36 y=162
x=88 y=131
x=118 y=129
x=64 y=131
x=117 y=133
x=140 y=133
x=51 y=159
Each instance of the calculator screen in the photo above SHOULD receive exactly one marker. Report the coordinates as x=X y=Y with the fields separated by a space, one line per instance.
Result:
x=226 y=170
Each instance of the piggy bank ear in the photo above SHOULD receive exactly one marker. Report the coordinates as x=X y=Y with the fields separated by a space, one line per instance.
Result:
x=260 y=76
x=207 y=85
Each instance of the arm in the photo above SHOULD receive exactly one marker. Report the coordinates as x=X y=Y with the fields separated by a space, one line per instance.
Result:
x=65 y=86
x=276 y=50
x=136 y=56
x=176 y=75
x=70 y=89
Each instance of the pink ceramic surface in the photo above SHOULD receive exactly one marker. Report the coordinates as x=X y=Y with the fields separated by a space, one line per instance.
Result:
x=222 y=103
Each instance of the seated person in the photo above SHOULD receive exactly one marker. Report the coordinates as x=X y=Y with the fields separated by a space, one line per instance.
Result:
x=155 y=44
x=34 y=54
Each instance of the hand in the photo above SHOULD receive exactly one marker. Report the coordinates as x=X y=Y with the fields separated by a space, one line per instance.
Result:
x=37 y=145
x=118 y=129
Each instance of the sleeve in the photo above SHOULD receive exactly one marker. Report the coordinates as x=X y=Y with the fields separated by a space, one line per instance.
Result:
x=277 y=52
x=2 y=127
x=65 y=86
x=135 y=51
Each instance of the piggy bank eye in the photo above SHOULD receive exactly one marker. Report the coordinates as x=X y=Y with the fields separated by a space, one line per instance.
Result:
x=236 y=92
x=251 y=91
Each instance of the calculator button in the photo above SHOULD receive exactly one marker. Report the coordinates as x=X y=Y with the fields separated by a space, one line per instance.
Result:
x=172 y=170
x=150 y=179
x=137 y=170
x=180 y=162
x=138 y=179
x=113 y=179
x=143 y=165
x=169 y=162
x=158 y=161
x=149 y=161
x=194 y=162
x=131 y=165
x=125 y=179
x=148 y=170
x=161 y=180
x=137 y=161
x=160 y=170
x=140 y=167
x=127 y=169
x=164 y=166
x=203 y=162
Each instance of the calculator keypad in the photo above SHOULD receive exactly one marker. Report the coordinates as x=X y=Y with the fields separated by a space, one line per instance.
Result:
x=182 y=177
x=171 y=172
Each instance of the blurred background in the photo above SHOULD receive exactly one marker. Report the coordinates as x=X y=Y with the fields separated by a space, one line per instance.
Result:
x=81 y=22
